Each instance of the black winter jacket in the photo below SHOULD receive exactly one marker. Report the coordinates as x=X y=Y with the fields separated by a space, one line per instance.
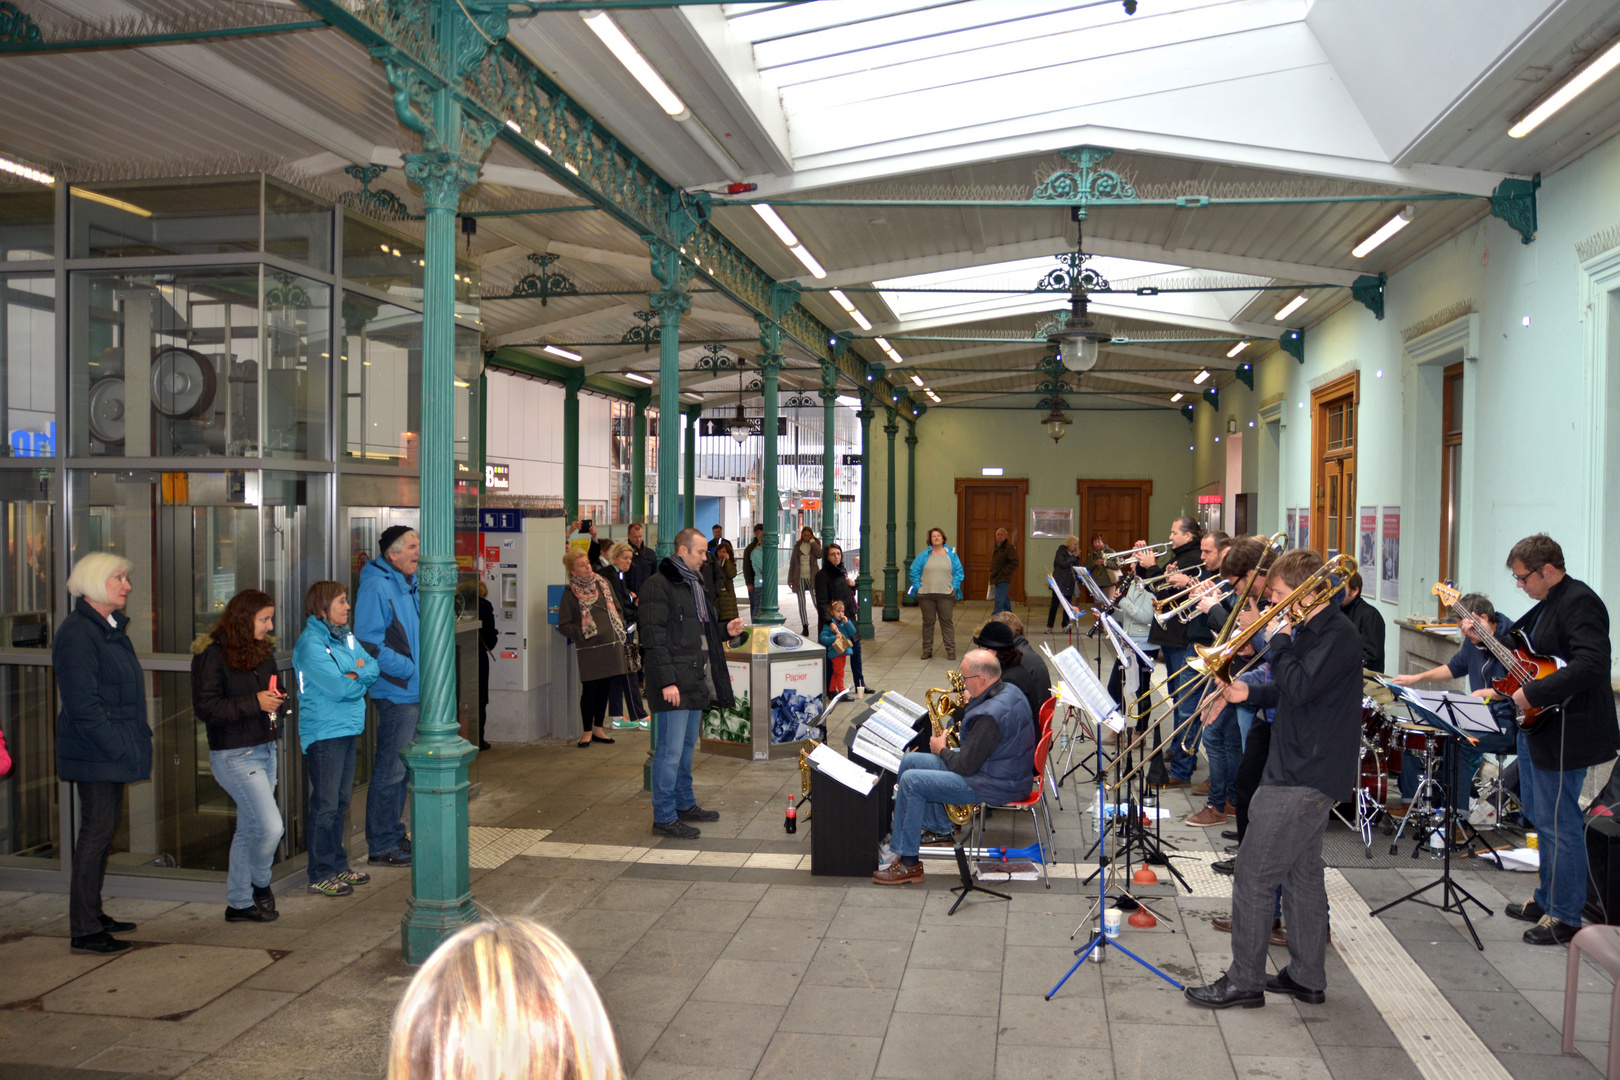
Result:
x=831 y=584
x=101 y=733
x=676 y=647
x=1582 y=732
x=1184 y=558
x=226 y=698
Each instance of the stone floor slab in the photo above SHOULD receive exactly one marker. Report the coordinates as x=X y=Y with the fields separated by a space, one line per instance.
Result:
x=794 y=1055
x=160 y=981
x=919 y=1047
x=839 y=1010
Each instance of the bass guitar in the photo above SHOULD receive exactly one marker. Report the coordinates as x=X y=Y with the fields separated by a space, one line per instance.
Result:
x=1524 y=665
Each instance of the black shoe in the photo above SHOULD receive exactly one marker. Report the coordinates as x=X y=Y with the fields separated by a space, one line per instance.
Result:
x=482 y=746
x=264 y=899
x=1549 y=931
x=1221 y=995
x=1282 y=983
x=405 y=844
x=250 y=914
x=1224 y=866
x=1231 y=849
x=393 y=858
x=1529 y=911
x=110 y=925
x=98 y=943
x=677 y=829
x=1229 y=834
x=697 y=813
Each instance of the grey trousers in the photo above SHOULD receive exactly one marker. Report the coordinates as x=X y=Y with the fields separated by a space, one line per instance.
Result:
x=1283 y=846
x=940 y=606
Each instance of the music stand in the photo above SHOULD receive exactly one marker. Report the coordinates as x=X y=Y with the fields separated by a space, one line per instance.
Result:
x=1453 y=896
x=968 y=884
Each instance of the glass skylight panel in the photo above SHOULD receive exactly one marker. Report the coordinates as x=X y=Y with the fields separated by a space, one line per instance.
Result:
x=1019 y=274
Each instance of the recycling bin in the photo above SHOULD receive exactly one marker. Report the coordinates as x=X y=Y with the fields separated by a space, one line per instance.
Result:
x=778 y=678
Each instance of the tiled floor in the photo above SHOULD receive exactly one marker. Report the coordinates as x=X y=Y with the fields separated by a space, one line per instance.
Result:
x=724 y=957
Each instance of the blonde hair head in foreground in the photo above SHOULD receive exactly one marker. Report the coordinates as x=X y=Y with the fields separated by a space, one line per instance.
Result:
x=504 y=999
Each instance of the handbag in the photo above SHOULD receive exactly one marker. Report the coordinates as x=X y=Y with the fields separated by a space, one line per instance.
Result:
x=990 y=591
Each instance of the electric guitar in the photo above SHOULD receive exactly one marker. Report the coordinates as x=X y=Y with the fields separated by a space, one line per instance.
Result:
x=1524 y=665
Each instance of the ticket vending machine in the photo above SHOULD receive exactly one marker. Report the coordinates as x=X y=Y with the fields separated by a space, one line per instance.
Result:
x=533 y=682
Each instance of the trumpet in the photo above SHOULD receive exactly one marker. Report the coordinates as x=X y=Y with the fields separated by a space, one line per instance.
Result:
x=1189 y=607
x=1196 y=590
x=1114 y=558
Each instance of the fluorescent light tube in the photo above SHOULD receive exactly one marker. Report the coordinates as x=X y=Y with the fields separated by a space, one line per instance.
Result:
x=1234 y=350
x=861 y=320
x=605 y=28
x=916 y=378
x=1290 y=307
x=117 y=204
x=564 y=353
x=513 y=124
x=809 y=260
x=27 y=172
x=1385 y=231
x=849 y=402
x=1177 y=396
x=1200 y=377
x=843 y=301
x=635 y=377
x=1576 y=85
x=769 y=215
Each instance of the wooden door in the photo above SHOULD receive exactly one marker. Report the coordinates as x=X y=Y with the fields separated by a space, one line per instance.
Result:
x=1116 y=508
x=982 y=507
x=1334 y=516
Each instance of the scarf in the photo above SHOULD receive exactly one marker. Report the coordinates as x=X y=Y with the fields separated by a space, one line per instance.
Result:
x=699 y=597
x=586 y=591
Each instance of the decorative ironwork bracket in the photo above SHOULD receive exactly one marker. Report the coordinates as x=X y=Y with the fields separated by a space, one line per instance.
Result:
x=1187 y=412
x=1293 y=343
x=1085 y=184
x=718 y=360
x=1514 y=201
x=1213 y=396
x=1245 y=375
x=646 y=335
x=17 y=27
x=381 y=204
x=1369 y=291
x=1071 y=266
x=543 y=283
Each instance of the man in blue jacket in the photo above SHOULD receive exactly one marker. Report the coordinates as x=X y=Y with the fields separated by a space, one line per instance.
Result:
x=387 y=620
x=994 y=764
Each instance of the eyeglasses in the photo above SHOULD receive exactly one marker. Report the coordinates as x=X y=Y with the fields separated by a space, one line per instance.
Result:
x=1522 y=578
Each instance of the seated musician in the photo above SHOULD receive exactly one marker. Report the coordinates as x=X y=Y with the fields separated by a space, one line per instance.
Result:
x=1315 y=741
x=1576 y=731
x=1476 y=662
x=992 y=765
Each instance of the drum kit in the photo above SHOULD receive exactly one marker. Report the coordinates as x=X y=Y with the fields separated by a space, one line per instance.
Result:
x=1388 y=732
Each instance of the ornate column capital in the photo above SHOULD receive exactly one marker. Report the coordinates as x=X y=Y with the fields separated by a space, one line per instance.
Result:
x=891 y=424
x=442 y=177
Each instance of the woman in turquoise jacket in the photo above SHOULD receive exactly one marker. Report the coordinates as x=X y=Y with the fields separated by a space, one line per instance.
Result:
x=936 y=578
x=334 y=673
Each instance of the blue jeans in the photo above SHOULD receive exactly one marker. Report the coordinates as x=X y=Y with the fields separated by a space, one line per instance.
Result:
x=1178 y=758
x=1551 y=801
x=1245 y=720
x=926 y=785
x=1003 y=597
x=385 y=798
x=677 y=733
x=329 y=764
x=248 y=776
x=1224 y=746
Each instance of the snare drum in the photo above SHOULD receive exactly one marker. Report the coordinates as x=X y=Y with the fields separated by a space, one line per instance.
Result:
x=1414 y=738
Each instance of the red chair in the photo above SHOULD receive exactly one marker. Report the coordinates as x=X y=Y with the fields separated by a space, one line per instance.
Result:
x=1044 y=718
x=1036 y=797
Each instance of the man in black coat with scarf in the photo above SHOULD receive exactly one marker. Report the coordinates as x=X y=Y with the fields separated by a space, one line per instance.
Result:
x=683 y=654
x=1576 y=731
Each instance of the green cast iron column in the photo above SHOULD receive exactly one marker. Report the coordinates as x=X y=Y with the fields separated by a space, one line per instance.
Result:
x=829 y=463
x=770 y=369
x=570 y=476
x=911 y=500
x=689 y=488
x=670 y=302
x=638 y=461
x=863 y=580
x=891 y=572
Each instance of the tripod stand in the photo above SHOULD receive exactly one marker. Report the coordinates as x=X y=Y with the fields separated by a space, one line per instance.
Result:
x=1453 y=897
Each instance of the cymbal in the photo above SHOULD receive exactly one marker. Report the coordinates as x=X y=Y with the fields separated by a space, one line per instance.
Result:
x=1372 y=688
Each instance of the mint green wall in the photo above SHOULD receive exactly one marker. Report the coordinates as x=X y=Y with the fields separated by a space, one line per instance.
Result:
x=1531 y=453
x=1150 y=445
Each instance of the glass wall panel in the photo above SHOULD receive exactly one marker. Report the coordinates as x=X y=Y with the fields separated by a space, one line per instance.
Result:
x=297 y=321
x=380 y=383
x=129 y=219
x=166 y=363
x=394 y=264
x=194 y=539
x=29 y=823
x=27 y=575
x=297 y=226
x=28 y=365
x=27 y=222
x=297 y=545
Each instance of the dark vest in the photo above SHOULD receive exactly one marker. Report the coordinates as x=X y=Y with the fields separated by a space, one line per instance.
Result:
x=1007 y=774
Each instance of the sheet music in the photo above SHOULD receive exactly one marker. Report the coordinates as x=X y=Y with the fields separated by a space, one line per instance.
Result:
x=904 y=704
x=843 y=770
x=1063 y=601
x=1472 y=714
x=1080 y=685
x=1097 y=595
x=1114 y=631
x=876 y=751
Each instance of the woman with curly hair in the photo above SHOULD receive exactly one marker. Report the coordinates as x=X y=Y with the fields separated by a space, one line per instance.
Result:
x=233 y=670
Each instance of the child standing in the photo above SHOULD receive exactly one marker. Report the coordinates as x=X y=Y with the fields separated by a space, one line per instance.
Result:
x=837 y=634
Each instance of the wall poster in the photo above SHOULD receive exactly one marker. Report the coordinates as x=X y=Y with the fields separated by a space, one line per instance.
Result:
x=1293 y=529
x=1304 y=527
x=1389 y=562
x=1367 y=550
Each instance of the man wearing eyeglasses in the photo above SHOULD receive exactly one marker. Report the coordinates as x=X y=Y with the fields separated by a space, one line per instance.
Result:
x=993 y=765
x=1577 y=731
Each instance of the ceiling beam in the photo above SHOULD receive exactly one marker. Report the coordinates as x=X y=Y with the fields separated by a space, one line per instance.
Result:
x=1185 y=386
x=1043 y=304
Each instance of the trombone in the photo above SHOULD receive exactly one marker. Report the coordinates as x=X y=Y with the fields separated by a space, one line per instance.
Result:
x=1112 y=558
x=1215 y=661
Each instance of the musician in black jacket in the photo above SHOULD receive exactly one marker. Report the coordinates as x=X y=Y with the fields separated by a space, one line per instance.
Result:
x=1577 y=731
x=1369 y=623
x=1315 y=745
x=1182 y=566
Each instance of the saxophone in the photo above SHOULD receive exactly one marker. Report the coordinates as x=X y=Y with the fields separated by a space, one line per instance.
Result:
x=941 y=703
